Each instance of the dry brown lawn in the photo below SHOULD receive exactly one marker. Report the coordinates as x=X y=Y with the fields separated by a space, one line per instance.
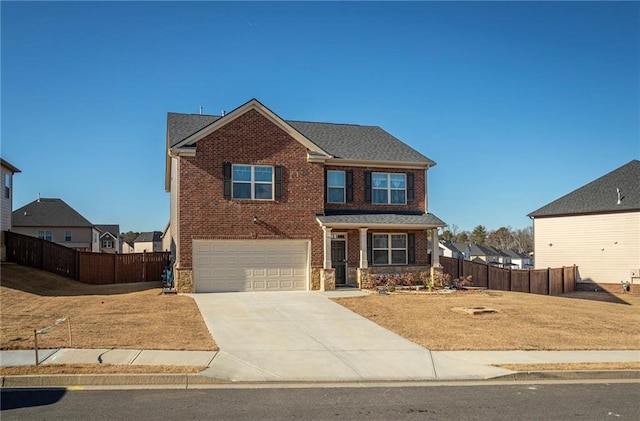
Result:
x=126 y=316
x=97 y=369
x=575 y=321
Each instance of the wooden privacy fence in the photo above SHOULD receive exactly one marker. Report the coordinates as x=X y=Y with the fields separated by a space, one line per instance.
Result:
x=86 y=267
x=539 y=281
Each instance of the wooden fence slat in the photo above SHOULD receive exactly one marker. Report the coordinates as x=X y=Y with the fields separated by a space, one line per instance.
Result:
x=86 y=267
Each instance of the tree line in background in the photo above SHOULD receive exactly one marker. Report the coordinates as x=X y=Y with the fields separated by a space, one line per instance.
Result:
x=504 y=238
x=128 y=237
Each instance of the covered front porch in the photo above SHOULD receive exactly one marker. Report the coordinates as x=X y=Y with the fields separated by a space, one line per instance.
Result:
x=357 y=244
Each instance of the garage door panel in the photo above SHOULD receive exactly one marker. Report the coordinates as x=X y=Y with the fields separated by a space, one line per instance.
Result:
x=250 y=265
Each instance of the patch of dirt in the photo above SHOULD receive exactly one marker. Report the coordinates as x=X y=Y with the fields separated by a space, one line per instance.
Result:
x=97 y=369
x=572 y=366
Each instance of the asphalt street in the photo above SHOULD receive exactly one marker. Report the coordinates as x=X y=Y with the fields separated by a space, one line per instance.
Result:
x=522 y=401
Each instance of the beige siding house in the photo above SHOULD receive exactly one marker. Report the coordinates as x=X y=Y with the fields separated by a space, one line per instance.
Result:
x=596 y=227
x=56 y=221
x=6 y=201
x=148 y=242
x=110 y=238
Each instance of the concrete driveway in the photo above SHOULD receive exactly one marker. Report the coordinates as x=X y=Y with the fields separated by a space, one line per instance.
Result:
x=304 y=336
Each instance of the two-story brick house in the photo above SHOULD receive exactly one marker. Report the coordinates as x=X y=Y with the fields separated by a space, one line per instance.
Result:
x=260 y=203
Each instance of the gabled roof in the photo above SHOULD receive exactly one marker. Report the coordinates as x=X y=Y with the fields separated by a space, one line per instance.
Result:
x=112 y=229
x=478 y=250
x=600 y=196
x=151 y=236
x=341 y=141
x=9 y=166
x=515 y=255
x=48 y=213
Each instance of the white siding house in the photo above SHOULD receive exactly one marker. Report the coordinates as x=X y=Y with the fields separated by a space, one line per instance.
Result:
x=596 y=227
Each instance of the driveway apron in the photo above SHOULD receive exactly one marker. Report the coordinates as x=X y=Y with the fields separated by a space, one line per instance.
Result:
x=304 y=336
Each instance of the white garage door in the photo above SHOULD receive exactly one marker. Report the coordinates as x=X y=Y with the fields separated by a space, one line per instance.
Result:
x=250 y=265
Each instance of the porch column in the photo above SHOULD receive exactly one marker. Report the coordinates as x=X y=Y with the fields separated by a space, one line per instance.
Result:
x=327 y=248
x=364 y=263
x=435 y=252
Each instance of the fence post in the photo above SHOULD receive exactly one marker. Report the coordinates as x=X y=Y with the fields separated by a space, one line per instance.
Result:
x=115 y=268
x=41 y=254
x=144 y=266
x=35 y=342
x=529 y=281
x=548 y=281
x=510 y=289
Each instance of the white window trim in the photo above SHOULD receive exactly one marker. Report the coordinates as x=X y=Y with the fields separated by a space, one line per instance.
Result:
x=45 y=235
x=253 y=182
x=389 y=189
x=343 y=186
x=107 y=244
x=389 y=249
x=70 y=236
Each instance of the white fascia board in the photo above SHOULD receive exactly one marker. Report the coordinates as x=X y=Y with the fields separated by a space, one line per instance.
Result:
x=378 y=164
x=412 y=227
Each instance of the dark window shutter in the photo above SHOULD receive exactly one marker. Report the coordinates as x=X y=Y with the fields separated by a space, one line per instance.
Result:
x=410 y=188
x=411 y=249
x=367 y=186
x=370 y=248
x=226 y=175
x=349 y=185
x=326 y=186
x=278 y=181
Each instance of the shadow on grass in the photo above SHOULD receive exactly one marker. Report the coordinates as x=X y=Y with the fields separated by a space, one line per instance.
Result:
x=39 y=282
x=603 y=296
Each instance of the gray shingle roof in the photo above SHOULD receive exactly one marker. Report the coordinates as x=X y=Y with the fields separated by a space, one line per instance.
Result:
x=344 y=141
x=600 y=196
x=150 y=236
x=48 y=213
x=181 y=126
x=390 y=219
x=351 y=141
x=112 y=229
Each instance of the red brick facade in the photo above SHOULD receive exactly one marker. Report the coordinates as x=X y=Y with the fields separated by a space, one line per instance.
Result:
x=253 y=139
x=250 y=139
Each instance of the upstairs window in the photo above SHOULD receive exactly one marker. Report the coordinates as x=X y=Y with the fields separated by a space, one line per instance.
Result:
x=7 y=185
x=45 y=235
x=389 y=189
x=67 y=236
x=336 y=186
x=107 y=244
x=252 y=182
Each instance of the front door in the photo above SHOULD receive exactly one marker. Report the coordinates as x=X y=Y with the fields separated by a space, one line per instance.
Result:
x=339 y=260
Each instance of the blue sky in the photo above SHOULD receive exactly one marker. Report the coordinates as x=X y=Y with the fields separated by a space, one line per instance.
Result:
x=519 y=103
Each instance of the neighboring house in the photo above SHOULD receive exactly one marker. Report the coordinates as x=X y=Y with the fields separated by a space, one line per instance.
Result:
x=6 y=200
x=166 y=238
x=449 y=249
x=504 y=259
x=485 y=254
x=261 y=203
x=148 y=242
x=519 y=260
x=596 y=227
x=126 y=247
x=54 y=220
x=109 y=238
x=464 y=249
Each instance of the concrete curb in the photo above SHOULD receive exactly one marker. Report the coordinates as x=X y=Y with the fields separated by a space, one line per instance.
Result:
x=187 y=380
x=572 y=375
